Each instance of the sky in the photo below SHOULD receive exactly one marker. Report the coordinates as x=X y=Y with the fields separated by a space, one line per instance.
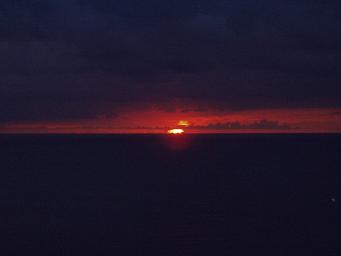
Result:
x=131 y=66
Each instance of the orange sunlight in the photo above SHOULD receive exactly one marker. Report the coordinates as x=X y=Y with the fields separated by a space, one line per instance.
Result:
x=175 y=131
x=183 y=123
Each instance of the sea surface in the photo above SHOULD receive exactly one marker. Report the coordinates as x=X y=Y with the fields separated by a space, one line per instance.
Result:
x=170 y=195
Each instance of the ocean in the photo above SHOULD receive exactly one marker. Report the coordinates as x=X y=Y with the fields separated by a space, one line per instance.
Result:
x=170 y=195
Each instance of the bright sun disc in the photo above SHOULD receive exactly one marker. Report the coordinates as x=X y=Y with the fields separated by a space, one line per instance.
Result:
x=175 y=131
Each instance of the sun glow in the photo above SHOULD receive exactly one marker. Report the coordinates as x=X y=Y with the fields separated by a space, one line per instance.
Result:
x=183 y=123
x=175 y=131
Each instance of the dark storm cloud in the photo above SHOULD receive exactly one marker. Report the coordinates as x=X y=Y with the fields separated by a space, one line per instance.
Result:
x=80 y=59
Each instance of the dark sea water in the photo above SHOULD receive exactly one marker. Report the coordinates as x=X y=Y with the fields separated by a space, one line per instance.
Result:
x=170 y=195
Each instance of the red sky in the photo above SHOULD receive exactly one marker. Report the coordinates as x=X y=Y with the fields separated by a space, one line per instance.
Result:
x=149 y=120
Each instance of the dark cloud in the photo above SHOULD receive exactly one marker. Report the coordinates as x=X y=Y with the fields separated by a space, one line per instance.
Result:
x=72 y=59
x=259 y=125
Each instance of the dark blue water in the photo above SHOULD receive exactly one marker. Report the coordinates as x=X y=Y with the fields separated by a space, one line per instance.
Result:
x=164 y=195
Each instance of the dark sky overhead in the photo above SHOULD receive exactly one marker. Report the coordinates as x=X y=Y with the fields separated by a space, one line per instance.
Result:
x=103 y=65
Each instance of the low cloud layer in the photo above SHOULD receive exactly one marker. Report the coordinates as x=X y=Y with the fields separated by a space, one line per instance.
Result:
x=259 y=125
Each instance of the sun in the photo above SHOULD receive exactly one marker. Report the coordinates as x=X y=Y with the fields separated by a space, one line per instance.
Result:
x=176 y=131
